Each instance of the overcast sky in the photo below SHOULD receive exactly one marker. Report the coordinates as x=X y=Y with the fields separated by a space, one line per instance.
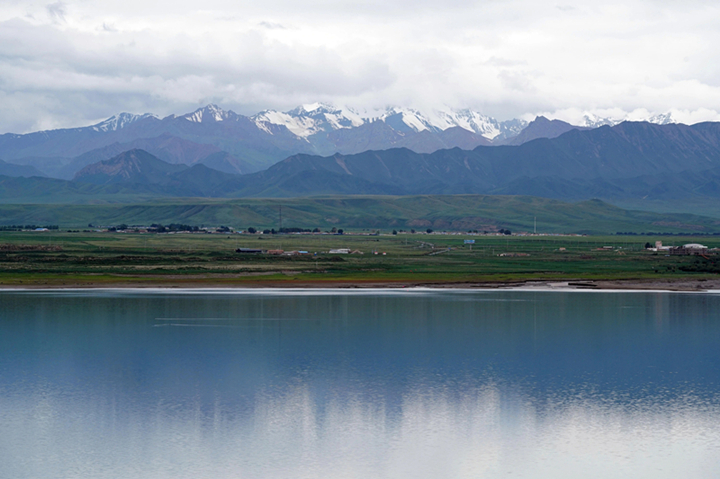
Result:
x=76 y=62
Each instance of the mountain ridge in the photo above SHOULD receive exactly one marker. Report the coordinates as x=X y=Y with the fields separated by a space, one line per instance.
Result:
x=12 y=169
x=132 y=166
x=253 y=143
x=629 y=160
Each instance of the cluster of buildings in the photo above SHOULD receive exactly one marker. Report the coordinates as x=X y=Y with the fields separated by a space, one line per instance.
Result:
x=274 y=252
x=280 y=252
x=686 y=249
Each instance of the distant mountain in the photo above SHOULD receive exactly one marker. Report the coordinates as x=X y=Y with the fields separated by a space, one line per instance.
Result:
x=50 y=190
x=120 y=121
x=310 y=120
x=138 y=168
x=211 y=114
x=593 y=121
x=249 y=144
x=239 y=136
x=198 y=180
x=134 y=166
x=166 y=147
x=541 y=127
x=486 y=126
x=629 y=159
x=10 y=169
x=239 y=144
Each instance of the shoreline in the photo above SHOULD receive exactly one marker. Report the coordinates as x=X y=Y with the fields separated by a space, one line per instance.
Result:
x=679 y=285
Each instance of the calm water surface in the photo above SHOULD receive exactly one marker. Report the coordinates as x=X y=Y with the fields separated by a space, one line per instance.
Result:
x=324 y=384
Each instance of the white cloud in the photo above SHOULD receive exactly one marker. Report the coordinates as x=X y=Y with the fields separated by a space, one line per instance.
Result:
x=74 y=62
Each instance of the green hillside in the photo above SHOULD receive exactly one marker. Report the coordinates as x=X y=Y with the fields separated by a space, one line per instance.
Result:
x=451 y=213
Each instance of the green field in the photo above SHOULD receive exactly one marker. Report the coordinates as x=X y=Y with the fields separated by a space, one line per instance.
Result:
x=451 y=213
x=85 y=259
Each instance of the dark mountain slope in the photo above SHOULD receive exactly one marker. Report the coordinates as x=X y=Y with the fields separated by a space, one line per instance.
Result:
x=236 y=134
x=225 y=162
x=165 y=147
x=51 y=190
x=601 y=157
x=134 y=166
x=305 y=183
x=139 y=169
x=189 y=138
x=630 y=160
x=540 y=127
x=10 y=169
x=198 y=180
x=379 y=135
x=457 y=137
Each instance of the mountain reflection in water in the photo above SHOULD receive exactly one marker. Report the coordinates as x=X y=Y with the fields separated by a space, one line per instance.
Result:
x=395 y=384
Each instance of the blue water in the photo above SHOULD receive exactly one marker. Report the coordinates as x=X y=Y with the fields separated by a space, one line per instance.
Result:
x=368 y=384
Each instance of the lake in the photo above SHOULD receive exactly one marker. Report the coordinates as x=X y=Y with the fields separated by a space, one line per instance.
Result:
x=359 y=384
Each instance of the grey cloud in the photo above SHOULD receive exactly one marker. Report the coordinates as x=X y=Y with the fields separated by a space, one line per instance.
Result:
x=182 y=72
x=57 y=11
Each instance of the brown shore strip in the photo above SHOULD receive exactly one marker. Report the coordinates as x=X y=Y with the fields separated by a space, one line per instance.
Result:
x=178 y=282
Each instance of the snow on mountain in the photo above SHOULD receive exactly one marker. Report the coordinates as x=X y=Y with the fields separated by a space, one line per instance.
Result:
x=209 y=113
x=469 y=120
x=440 y=120
x=120 y=121
x=307 y=120
x=511 y=128
x=310 y=119
x=406 y=119
x=591 y=120
x=484 y=125
x=302 y=127
x=662 y=119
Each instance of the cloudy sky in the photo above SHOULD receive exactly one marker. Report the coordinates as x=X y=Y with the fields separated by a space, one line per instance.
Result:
x=75 y=62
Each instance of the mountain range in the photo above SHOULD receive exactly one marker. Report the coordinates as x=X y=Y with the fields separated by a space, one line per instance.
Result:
x=234 y=143
x=631 y=160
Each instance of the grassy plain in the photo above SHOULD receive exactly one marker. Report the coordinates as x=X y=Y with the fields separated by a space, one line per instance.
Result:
x=62 y=259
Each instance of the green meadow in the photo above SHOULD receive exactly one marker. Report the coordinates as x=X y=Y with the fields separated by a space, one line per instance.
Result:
x=59 y=258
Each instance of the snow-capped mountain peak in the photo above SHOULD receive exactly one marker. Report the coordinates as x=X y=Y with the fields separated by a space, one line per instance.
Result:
x=309 y=119
x=209 y=113
x=469 y=120
x=406 y=119
x=311 y=107
x=662 y=119
x=483 y=125
x=298 y=125
x=120 y=121
x=306 y=120
x=590 y=120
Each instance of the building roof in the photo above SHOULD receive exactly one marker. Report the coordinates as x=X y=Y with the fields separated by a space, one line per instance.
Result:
x=694 y=246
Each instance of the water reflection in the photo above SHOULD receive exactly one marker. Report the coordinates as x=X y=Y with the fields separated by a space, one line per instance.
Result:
x=439 y=384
